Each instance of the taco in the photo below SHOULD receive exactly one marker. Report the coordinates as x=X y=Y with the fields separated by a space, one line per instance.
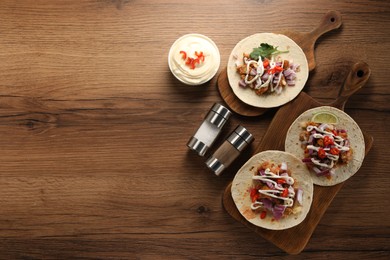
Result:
x=267 y=70
x=273 y=190
x=333 y=151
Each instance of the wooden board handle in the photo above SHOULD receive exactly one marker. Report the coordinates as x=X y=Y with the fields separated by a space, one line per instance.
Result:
x=330 y=21
x=356 y=79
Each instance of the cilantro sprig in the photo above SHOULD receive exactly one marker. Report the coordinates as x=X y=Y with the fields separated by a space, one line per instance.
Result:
x=265 y=51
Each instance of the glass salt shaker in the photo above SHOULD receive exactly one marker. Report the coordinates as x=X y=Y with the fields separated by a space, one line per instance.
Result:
x=209 y=129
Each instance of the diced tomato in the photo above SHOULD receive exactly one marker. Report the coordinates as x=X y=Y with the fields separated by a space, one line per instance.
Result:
x=263 y=214
x=321 y=153
x=285 y=193
x=265 y=63
x=334 y=132
x=334 y=151
x=254 y=194
x=278 y=69
x=183 y=55
x=193 y=63
x=255 y=197
x=275 y=69
x=281 y=181
x=189 y=60
x=328 y=140
x=198 y=54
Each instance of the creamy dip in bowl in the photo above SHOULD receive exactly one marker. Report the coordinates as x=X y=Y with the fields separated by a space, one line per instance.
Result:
x=194 y=59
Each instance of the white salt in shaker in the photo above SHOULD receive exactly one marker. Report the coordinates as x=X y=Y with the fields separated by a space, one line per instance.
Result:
x=209 y=129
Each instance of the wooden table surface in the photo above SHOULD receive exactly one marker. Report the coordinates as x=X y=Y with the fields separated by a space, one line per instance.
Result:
x=93 y=129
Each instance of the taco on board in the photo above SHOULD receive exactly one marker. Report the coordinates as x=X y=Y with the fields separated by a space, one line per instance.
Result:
x=273 y=190
x=333 y=152
x=267 y=70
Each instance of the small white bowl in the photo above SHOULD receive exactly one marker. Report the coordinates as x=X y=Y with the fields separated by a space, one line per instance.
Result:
x=205 y=68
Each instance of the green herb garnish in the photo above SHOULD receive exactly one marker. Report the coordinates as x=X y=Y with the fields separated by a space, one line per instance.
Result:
x=265 y=51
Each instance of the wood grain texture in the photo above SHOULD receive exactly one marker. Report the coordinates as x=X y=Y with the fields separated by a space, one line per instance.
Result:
x=93 y=129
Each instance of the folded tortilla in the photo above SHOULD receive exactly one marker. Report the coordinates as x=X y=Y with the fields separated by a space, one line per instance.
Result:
x=355 y=136
x=242 y=182
x=269 y=100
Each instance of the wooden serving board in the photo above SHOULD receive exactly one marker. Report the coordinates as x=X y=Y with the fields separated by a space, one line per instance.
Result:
x=294 y=240
x=330 y=21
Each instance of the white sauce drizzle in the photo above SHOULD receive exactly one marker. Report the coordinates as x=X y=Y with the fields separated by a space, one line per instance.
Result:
x=338 y=142
x=248 y=72
x=278 y=190
x=260 y=71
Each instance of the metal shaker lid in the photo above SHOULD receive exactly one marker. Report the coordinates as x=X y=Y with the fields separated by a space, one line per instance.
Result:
x=240 y=138
x=215 y=165
x=218 y=115
x=198 y=146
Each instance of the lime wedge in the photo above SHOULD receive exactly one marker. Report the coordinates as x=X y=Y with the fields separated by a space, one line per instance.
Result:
x=325 y=117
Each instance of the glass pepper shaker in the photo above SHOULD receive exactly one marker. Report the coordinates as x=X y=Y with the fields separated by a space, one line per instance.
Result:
x=238 y=140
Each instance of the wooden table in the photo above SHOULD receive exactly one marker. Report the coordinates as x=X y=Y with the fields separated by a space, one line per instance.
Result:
x=93 y=129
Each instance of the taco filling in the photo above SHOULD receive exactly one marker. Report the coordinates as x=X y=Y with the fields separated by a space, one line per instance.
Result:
x=274 y=191
x=325 y=147
x=265 y=71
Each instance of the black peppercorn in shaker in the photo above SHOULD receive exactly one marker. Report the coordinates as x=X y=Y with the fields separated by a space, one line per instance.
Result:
x=238 y=140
